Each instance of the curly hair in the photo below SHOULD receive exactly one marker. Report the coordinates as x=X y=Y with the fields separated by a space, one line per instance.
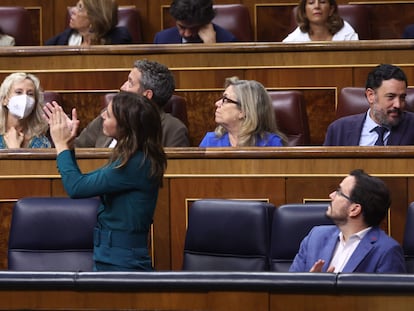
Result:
x=193 y=11
x=157 y=78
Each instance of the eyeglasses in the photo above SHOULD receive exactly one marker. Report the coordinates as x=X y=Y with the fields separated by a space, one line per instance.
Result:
x=339 y=192
x=225 y=100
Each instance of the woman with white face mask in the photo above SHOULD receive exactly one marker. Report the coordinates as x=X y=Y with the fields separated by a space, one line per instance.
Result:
x=21 y=115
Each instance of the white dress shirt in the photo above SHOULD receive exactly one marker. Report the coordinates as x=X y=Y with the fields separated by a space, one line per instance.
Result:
x=368 y=136
x=345 y=249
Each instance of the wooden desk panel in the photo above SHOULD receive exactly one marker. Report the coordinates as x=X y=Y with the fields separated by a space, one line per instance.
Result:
x=83 y=75
x=270 y=19
x=275 y=175
x=386 y=21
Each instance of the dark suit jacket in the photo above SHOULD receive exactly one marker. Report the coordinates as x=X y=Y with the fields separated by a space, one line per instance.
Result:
x=171 y=35
x=408 y=32
x=118 y=35
x=174 y=133
x=346 y=131
x=375 y=253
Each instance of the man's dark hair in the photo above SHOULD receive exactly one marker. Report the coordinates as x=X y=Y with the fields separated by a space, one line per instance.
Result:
x=384 y=72
x=157 y=78
x=198 y=12
x=373 y=195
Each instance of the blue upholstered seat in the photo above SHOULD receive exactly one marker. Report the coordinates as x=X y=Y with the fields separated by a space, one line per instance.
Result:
x=52 y=234
x=291 y=223
x=227 y=235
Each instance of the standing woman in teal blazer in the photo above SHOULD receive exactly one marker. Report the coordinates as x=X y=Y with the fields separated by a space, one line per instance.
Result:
x=128 y=185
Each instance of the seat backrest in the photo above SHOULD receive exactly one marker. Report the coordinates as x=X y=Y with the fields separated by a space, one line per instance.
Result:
x=176 y=105
x=291 y=223
x=52 y=234
x=236 y=19
x=352 y=100
x=408 y=240
x=15 y=21
x=358 y=16
x=291 y=116
x=128 y=16
x=227 y=235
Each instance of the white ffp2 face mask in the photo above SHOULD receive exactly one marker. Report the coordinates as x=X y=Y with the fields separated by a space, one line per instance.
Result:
x=21 y=105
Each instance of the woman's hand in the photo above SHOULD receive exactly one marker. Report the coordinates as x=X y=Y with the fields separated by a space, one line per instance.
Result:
x=13 y=138
x=62 y=129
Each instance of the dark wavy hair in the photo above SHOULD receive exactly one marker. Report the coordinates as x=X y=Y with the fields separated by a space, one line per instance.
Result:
x=334 y=23
x=193 y=11
x=373 y=196
x=139 y=129
x=384 y=72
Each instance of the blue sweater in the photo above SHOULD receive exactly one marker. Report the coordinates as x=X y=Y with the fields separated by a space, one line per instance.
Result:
x=211 y=140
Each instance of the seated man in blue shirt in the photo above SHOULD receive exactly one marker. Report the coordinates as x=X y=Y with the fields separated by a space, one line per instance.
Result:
x=386 y=122
x=193 y=24
x=356 y=243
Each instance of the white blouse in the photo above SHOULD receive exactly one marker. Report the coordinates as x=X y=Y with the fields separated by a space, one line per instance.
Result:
x=345 y=33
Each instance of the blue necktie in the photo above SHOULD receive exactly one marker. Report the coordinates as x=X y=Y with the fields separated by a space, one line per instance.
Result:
x=380 y=131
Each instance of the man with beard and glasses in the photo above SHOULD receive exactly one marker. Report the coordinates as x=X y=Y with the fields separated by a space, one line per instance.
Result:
x=386 y=122
x=355 y=243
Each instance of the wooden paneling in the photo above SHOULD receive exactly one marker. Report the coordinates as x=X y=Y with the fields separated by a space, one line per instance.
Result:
x=275 y=175
x=271 y=19
x=258 y=299
x=274 y=20
x=82 y=76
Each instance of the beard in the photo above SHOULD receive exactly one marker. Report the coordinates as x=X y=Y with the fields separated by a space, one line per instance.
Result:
x=383 y=117
x=337 y=218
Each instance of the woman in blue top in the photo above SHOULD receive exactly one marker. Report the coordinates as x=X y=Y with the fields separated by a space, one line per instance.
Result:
x=128 y=185
x=21 y=114
x=245 y=117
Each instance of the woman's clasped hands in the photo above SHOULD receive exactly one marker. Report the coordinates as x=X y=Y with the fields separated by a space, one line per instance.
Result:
x=63 y=129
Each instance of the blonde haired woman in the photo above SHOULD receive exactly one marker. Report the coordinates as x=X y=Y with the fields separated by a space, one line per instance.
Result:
x=21 y=114
x=245 y=117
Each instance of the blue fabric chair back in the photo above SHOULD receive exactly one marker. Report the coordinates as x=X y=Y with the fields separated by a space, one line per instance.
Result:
x=228 y=235
x=52 y=234
x=291 y=223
